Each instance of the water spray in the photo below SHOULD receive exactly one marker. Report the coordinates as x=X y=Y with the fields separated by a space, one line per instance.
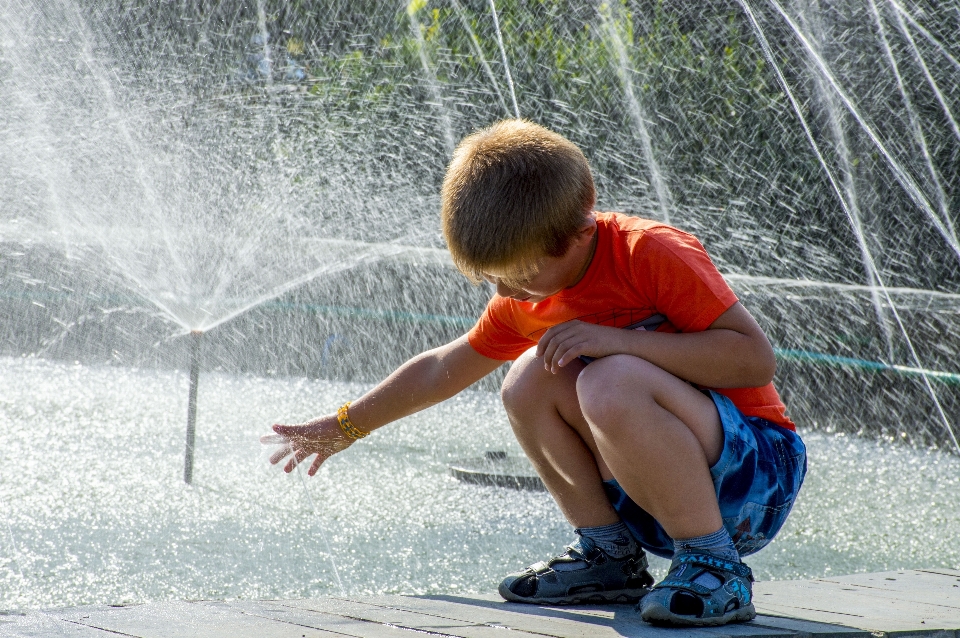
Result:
x=503 y=55
x=637 y=114
x=768 y=53
x=323 y=533
x=192 y=405
x=431 y=77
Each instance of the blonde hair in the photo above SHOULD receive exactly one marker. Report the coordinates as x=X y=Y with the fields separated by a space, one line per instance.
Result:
x=514 y=193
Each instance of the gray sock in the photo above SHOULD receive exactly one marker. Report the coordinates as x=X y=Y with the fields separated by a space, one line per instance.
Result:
x=718 y=543
x=614 y=539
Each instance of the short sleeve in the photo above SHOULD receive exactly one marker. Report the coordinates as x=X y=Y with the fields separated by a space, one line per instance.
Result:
x=495 y=336
x=685 y=285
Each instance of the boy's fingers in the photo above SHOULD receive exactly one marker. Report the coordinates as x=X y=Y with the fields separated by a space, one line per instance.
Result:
x=284 y=430
x=280 y=454
x=544 y=342
x=295 y=461
x=547 y=339
x=272 y=439
x=560 y=346
x=558 y=335
x=563 y=356
x=583 y=340
x=317 y=462
x=570 y=350
x=549 y=349
x=556 y=347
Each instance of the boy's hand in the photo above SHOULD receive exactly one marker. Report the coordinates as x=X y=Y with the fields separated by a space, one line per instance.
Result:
x=322 y=437
x=564 y=342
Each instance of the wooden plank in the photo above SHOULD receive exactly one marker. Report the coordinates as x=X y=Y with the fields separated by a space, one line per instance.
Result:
x=922 y=587
x=468 y=612
x=835 y=603
x=37 y=625
x=560 y=622
x=768 y=627
x=837 y=619
x=178 y=619
x=621 y=618
x=797 y=627
x=397 y=610
x=943 y=571
x=353 y=619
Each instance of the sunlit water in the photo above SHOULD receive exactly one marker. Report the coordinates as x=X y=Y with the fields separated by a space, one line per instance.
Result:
x=93 y=508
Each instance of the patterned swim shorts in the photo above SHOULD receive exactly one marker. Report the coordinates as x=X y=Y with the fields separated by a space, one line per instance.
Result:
x=756 y=478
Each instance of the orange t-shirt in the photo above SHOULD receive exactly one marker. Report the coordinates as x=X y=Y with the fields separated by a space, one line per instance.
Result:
x=640 y=268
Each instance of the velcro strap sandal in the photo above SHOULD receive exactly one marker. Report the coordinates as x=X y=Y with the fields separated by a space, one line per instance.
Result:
x=584 y=574
x=701 y=590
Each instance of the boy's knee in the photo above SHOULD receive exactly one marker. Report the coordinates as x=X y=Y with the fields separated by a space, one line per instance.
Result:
x=520 y=385
x=609 y=388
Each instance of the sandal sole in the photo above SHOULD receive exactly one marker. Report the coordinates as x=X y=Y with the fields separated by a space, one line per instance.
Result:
x=621 y=597
x=659 y=615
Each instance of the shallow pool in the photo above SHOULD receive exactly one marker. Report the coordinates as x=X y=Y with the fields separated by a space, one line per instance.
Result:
x=93 y=508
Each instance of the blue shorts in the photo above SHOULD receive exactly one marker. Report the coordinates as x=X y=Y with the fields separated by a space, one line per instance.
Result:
x=756 y=478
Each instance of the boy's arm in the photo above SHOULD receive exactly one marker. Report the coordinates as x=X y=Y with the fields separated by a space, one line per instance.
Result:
x=424 y=380
x=732 y=352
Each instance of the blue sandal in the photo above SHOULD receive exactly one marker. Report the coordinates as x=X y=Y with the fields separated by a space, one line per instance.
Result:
x=701 y=590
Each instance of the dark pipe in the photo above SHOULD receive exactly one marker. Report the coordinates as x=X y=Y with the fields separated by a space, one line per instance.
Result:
x=192 y=406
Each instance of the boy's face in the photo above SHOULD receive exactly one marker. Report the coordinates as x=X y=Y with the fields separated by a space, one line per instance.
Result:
x=554 y=273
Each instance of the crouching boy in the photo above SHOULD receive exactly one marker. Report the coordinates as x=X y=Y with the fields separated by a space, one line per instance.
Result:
x=667 y=436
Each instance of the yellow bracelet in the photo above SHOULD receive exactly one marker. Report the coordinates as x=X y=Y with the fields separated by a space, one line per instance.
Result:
x=349 y=428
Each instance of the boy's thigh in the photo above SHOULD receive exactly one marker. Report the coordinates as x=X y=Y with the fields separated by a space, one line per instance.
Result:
x=757 y=479
x=626 y=384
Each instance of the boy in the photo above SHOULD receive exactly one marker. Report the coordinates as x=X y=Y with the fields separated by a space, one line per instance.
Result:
x=669 y=437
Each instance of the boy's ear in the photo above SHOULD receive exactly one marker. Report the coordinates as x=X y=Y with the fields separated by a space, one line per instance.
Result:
x=586 y=231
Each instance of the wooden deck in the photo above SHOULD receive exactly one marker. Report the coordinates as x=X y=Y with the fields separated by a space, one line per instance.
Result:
x=905 y=603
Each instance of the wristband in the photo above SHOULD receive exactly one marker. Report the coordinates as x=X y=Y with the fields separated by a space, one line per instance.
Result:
x=352 y=431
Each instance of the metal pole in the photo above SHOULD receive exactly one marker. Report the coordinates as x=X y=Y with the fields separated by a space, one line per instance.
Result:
x=192 y=406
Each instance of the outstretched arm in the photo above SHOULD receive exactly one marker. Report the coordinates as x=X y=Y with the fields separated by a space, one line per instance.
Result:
x=424 y=380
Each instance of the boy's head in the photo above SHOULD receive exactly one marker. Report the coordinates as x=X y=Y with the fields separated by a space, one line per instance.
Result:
x=514 y=193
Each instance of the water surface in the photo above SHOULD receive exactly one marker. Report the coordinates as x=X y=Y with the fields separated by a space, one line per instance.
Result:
x=93 y=508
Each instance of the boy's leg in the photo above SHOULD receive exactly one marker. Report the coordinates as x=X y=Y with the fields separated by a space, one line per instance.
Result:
x=659 y=436
x=604 y=564
x=619 y=417
x=547 y=421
